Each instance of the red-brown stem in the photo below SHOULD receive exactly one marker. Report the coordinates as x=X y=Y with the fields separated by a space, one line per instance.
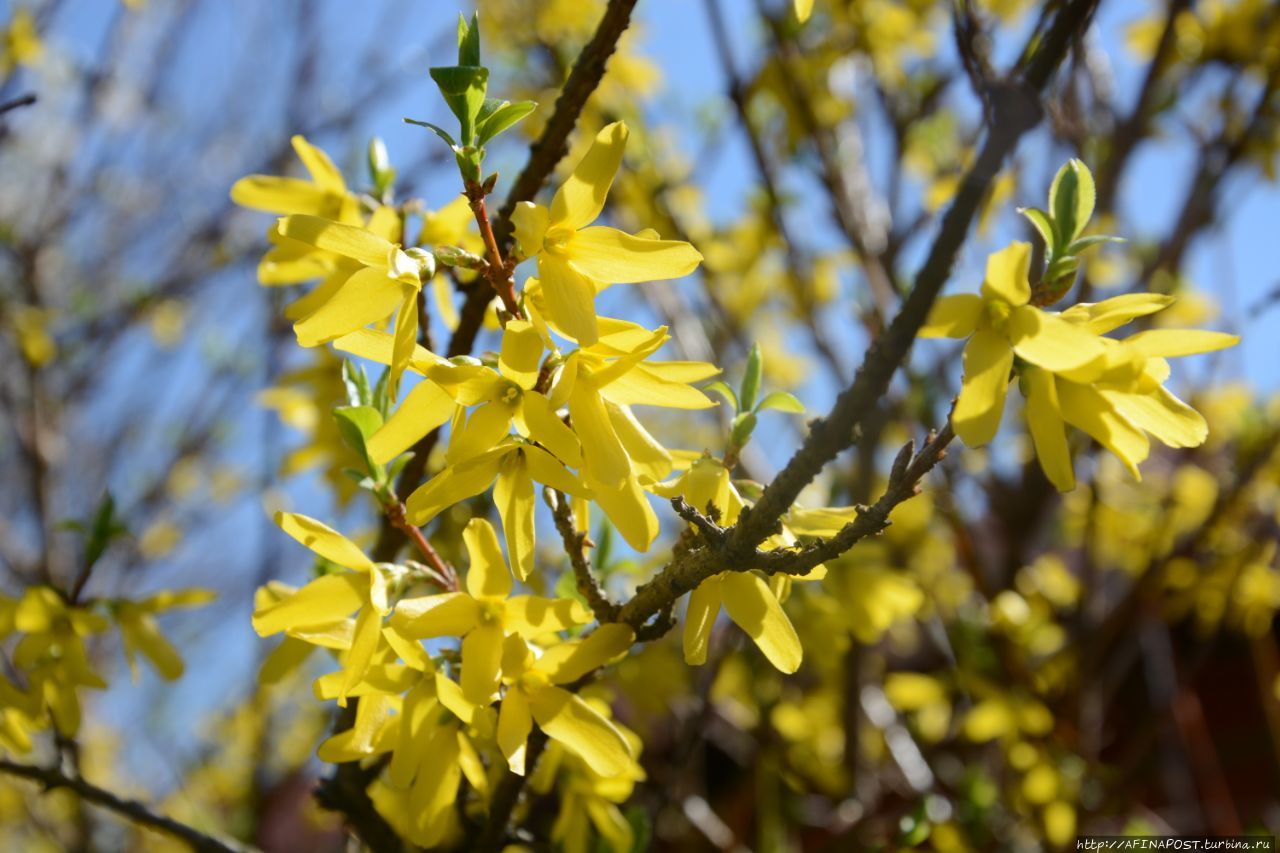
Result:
x=498 y=275
x=396 y=514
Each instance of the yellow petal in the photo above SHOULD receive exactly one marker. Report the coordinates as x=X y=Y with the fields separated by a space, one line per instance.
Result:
x=346 y=240
x=282 y=195
x=453 y=485
x=513 y=496
x=325 y=600
x=1162 y=414
x=546 y=428
x=754 y=609
x=1047 y=340
x=1006 y=277
x=570 y=298
x=546 y=469
x=604 y=457
x=1048 y=431
x=406 y=339
x=378 y=678
x=953 y=317
x=987 y=361
x=450 y=614
x=514 y=724
x=649 y=459
x=424 y=408
x=322 y=170
x=532 y=615
x=530 y=222
x=1102 y=317
x=450 y=695
x=803 y=9
x=364 y=643
x=569 y=661
x=485 y=427
x=141 y=634
x=481 y=662
x=435 y=788
x=521 y=353
x=646 y=385
x=628 y=508
x=1169 y=343
x=325 y=541
x=368 y=296
x=569 y=720
x=610 y=256
x=700 y=618
x=581 y=198
x=1085 y=409
x=284 y=659
x=408 y=650
x=487 y=575
x=415 y=735
x=377 y=346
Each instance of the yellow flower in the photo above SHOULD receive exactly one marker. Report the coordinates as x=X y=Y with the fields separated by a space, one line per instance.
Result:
x=387 y=280
x=588 y=799
x=140 y=634
x=324 y=195
x=430 y=749
x=20 y=44
x=1120 y=398
x=330 y=599
x=485 y=614
x=532 y=695
x=749 y=601
x=999 y=324
x=576 y=262
x=53 y=656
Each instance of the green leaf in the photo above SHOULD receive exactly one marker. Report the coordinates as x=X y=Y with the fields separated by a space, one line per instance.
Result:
x=463 y=88
x=750 y=387
x=469 y=40
x=641 y=828
x=781 y=401
x=439 y=131
x=503 y=118
x=604 y=546
x=397 y=464
x=357 y=424
x=1071 y=198
x=104 y=528
x=1085 y=242
x=1040 y=220
x=723 y=389
x=1063 y=266
x=743 y=425
x=381 y=399
x=357 y=384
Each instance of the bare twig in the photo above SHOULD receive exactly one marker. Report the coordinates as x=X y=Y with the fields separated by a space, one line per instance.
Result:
x=141 y=814
x=575 y=545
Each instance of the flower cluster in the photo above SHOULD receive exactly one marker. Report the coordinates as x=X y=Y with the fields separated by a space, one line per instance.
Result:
x=1067 y=370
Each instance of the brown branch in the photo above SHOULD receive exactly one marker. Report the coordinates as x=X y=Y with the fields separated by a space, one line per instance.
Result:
x=497 y=272
x=505 y=797
x=51 y=778
x=546 y=152
x=719 y=553
x=575 y=545
x=396 y=515
x=20 y=101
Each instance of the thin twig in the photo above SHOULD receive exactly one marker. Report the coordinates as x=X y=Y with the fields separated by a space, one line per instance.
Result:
x=575 y=545
x=20 y=101
x=141 y=814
